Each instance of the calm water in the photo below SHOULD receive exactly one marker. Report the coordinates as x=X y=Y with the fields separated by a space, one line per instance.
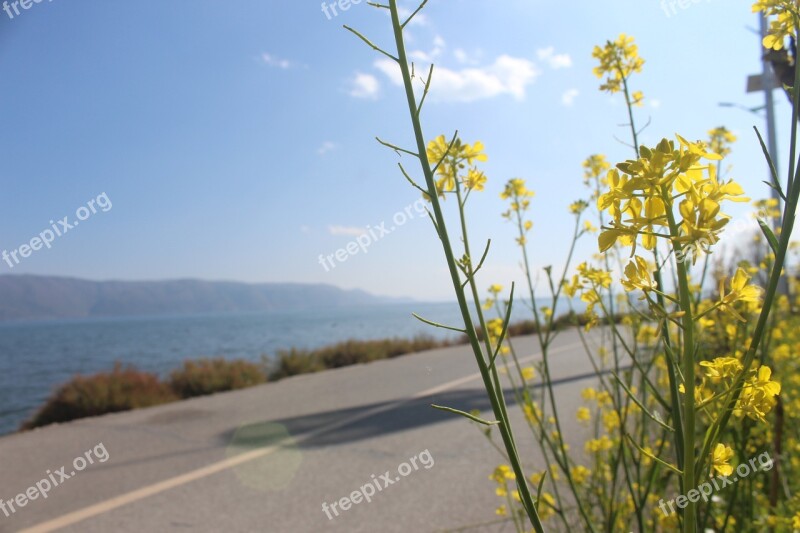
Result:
x=37 y=357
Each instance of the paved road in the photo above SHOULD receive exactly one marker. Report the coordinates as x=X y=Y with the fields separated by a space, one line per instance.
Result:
x=267 y=458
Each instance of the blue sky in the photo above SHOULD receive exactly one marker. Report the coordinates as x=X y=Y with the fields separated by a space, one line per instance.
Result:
x=236 y=140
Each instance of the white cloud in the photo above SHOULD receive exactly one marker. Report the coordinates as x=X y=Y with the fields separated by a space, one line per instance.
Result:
x=364 y=86
x=507 y=75
x=273 y=61
x=346 y=230
x=568 y=98
x=326 y=147
x=419 y=55
x=655 y=103
x=429 y=57
x=552 y=59
x=463 y=58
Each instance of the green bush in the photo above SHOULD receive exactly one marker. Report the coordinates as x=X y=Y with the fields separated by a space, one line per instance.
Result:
x=349 y=352
x=207 y=376
x=293 y=362
x=121 y=389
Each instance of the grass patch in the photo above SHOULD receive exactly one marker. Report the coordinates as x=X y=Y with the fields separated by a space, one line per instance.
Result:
x=207 y=376
x=352 y=352
x=121 y=389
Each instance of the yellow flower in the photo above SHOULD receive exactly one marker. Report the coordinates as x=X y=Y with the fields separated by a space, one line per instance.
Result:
x=532 y=412
x=580 y=474
x=618 y=60
x=571 y=287
x=599 y=445
x=495 y=289
x=449 y=161
x=451 y=157
x=501 y=511
x=767 y=209
x=647 y=335
x=589 y=394
x=545 y=511
x=495 y=327
x=758 y=395
x=475 y=179
x=502 y=473
x=528 y=373
x=642 y=190
x=611 y=421
x=782 y=26
x=720 y=140
x=722 y=367
x=576 y=208
x=637 y=276
x=740 y=292
x=720 y=460
x=596 y=276
x=515 y=188
x=583 y=414
x=595 y=167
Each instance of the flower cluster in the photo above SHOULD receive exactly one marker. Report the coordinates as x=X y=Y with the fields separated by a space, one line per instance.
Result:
x=642 y=193
x=618 y=60
x=450 y=163
x=786 y=13
x=720 y=140
x=519 y=196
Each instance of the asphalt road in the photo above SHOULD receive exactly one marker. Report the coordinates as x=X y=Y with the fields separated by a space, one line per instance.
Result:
x=269 y=457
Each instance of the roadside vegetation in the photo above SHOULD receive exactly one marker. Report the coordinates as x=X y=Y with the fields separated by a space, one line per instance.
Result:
x=694 y=384
x=126 y=388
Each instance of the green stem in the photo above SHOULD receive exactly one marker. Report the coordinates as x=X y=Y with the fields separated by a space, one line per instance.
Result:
x=686 y=300
x=505 y=429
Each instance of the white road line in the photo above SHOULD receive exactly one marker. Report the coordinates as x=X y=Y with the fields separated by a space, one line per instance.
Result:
x=151 y=490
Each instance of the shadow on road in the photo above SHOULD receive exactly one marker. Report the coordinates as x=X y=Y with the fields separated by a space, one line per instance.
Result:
x=389 y=418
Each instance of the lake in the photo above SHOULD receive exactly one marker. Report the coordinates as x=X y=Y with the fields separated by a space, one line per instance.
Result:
x=37 y=357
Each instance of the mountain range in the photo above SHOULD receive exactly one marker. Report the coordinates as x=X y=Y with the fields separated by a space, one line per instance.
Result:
x=29 y=297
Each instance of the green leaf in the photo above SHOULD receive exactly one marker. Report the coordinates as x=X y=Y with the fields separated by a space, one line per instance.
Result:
x=773 y=172
x=539 y=489
x=505 y=328
x=468 y=415
x=765 y=229
x=436 y=324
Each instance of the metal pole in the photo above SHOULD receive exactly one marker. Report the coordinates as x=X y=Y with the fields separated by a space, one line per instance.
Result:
x=767 y=79
x=768 y=82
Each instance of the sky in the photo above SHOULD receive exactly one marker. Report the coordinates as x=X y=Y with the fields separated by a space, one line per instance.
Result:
x=236 y=141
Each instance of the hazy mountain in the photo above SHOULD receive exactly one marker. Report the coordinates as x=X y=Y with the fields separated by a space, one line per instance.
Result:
x=24 y=297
